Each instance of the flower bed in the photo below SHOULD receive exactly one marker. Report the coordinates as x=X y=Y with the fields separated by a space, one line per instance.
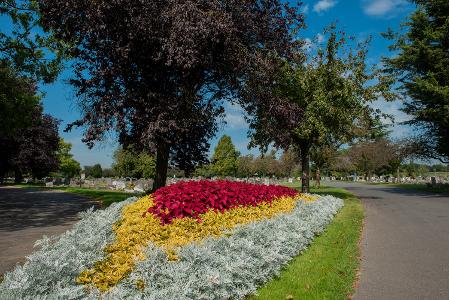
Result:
x=118 y=253
x=193 y=198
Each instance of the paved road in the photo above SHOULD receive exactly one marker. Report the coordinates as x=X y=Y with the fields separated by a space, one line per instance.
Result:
x=28 y=214
x=405 y=243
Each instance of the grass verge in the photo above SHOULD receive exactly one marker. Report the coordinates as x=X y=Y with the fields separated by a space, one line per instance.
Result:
x=105 y=197
x=328 y=268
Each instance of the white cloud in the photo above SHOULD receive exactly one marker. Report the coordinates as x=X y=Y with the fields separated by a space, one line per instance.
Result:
x=319 y=38
x=380 y=8
x=324 y=5
x=235 y=116
x=393 y=108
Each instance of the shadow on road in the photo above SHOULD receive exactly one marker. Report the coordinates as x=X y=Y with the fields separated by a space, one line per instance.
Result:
x=28 y=208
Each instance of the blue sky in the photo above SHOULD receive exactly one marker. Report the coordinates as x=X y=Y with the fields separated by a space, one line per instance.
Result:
x=359 y=18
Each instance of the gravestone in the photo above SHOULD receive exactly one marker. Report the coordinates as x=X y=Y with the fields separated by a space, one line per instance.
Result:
x=120 y=185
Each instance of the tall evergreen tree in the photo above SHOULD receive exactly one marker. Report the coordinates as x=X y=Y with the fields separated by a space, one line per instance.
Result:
x=421 y=63
x=225 y=157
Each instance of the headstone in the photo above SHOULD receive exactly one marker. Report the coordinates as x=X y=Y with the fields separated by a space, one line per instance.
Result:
x=120 y=185
x=139 y=188
x=49 y=184
x=290 y=180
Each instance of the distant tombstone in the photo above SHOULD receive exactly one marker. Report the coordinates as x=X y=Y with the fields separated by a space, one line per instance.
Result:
x=49 y=184
x=120 y=185
x=83 y=176
x=139 y=188
x=290 y=180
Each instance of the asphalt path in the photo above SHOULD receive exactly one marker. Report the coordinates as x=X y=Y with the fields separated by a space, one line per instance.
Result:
x=28 y=214
x=405 y=243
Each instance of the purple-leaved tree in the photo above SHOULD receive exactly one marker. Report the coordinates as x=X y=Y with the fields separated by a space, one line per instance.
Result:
x=153 y=70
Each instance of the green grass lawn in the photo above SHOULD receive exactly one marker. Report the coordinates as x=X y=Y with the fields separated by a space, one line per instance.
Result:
x=328 y=268
x=105 y=197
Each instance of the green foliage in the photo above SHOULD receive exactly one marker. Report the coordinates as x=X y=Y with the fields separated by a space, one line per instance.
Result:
x=325 y=100
x=27 y=48
x=334 y=90
x=94 y=171
x=224 y=159
x=204 y=171
x=130 y=163
x=245 y=166
x=17 y=94
x=109 y=172
x=68 y=166
x=420 y=64
x=146 y=166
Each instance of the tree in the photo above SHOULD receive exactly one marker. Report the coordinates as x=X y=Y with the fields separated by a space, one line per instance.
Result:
x=128 y=162
x=17 y=94
x=325 y=99
x=420 y=65
x=191 y=149
x=29 y=50
x=266 y=164
x=94 y=171
x=322 y=156
x=289 y=162
x=146 y=166
x=245 y=166
x=369 y=156
x=68 y=166
x=224 y=159
x=125 y=162
x=109 y=173
x=32 y=149
x=27 y=55
x=151 y=69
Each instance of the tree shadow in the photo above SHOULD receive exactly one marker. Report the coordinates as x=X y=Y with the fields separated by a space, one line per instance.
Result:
x=32 y=208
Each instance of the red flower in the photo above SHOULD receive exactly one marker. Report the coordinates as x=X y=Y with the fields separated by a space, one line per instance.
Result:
x=192 y=198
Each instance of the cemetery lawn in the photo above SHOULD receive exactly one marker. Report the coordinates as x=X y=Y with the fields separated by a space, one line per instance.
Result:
x=105 y=197
x=328 y=268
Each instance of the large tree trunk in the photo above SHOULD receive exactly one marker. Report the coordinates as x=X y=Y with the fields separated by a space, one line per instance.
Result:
x=163 y=150
x=305 y=187
x=318 y=177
